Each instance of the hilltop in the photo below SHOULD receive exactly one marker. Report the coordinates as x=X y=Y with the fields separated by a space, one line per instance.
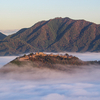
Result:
x=42 y=61
x=46 y=66
x=51 y=59
x=54 y=35
x=48 y=59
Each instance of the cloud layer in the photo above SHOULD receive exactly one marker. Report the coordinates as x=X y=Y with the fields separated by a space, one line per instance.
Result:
x=30 y=90
x=83 y=84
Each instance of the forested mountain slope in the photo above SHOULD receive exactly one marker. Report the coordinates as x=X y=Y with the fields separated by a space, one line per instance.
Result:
x=59 y=34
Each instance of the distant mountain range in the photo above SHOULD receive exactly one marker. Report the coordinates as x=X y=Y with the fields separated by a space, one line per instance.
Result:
x=59 y=34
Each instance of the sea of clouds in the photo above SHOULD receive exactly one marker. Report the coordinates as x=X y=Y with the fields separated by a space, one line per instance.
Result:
x=82 y=85
x=32 y=90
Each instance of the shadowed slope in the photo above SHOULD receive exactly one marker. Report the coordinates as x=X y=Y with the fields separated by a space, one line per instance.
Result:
x=2 y=36
x=59 y=34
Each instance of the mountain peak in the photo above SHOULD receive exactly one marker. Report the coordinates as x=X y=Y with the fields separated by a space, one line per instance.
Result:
x=58 y=34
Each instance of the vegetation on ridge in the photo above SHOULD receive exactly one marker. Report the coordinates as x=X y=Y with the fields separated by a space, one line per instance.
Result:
x=59 y=34
x=58 y=62
x=51 y=59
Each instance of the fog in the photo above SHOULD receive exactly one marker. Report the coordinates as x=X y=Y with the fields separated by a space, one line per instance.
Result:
x=61 y=74
x=28 y=83
x=30 y=90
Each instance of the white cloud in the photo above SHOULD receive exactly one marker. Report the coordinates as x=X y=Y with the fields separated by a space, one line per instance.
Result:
x=84 y=85
x=54 y=96
x=31 y=90
x=83 y=92
x=9 y=32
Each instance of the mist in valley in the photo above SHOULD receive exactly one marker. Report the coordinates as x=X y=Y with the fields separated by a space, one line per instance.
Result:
x=69 y=83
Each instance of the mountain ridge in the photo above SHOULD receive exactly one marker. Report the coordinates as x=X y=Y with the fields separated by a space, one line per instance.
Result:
x=2 y=36
x=54 y=35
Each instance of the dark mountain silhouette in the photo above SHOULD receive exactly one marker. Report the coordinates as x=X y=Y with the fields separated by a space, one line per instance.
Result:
x=59 y=34
x=2 y=36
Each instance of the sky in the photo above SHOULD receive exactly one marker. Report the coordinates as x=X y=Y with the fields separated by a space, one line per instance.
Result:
x=17 y=14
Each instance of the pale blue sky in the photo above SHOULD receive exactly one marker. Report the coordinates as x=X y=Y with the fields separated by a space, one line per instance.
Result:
x=17 y=14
